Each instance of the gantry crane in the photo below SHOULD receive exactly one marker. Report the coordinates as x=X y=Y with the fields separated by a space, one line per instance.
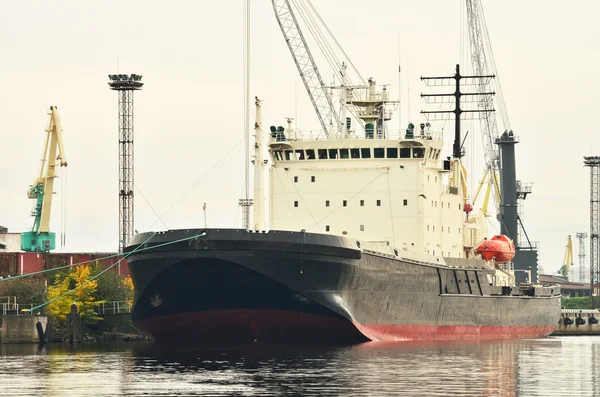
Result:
x=40 y=239
x=568 y=261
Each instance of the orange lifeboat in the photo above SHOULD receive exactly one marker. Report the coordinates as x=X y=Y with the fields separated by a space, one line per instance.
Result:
x=500 y=248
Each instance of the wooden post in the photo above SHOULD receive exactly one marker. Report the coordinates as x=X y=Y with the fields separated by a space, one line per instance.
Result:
x=74 y=325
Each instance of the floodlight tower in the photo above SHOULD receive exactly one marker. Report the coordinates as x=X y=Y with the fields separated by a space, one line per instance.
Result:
x=594 y=163
x=125 y=85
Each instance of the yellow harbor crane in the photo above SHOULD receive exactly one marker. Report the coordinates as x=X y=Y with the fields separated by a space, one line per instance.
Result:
x=568 y=261
x=40 y=239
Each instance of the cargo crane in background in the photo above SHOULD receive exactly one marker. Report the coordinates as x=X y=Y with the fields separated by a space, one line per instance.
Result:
x=568 y=261
x=508 y=193
x=40 y=239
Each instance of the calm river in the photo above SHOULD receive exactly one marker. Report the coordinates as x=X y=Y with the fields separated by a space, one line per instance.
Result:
x=559 y=366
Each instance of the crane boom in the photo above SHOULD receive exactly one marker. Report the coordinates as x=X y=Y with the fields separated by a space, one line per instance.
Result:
x=489 y=126
x=39 y=239
x=319 y=97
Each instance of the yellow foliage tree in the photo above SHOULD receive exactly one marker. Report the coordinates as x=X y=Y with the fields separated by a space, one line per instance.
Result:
x=78 y=289
x=128 y=287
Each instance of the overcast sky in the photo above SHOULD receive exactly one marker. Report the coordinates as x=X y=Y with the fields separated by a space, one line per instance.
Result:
x=190 y=112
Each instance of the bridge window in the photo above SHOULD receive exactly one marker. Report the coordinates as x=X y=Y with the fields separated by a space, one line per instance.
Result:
x=299 y=154
x=355 y=153
x=326 y=228
x=418 y=153
x=405 y=153
x=362 y=228
x=344 y=154
x=405 y=202
x=295 y=179
x=288 y=154
x=312 y=178
x=326 y=203
x=379 y=203
x=362 y=203
x=322 y=154
x=365 y=153
x=333 y=154
x=295 y=204
x=345 y=203
x=392 y=153
x=378 y=153
x=310 y=154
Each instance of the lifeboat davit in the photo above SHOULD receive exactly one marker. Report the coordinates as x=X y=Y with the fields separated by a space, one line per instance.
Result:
x=499 y=247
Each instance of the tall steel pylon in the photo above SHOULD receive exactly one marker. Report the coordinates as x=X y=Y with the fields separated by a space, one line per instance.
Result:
x=593 y=162
x=581 y=237
x=125 y=85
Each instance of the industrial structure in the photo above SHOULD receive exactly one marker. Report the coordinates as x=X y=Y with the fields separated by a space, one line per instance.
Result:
x=581 y=237
x=40 y=239
x=125 y=85
x=509 y=207
x=593 y=162
x=567 y=266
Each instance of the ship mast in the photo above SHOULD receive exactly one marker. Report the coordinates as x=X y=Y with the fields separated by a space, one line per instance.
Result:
x=458 y=174
x=259 y=206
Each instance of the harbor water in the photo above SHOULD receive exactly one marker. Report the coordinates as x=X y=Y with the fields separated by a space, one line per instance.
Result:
x=555 y=366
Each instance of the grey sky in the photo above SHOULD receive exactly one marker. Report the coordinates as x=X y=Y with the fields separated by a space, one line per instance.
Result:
x=190 y=111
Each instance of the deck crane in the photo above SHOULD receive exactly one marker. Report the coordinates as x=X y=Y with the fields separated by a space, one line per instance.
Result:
x=360 y=101
x=40 y=239
x=313 y=82
x=483 y=64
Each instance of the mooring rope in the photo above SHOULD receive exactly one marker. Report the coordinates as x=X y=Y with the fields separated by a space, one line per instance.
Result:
x=90 y=280
x=103 y=258
x=137 y=249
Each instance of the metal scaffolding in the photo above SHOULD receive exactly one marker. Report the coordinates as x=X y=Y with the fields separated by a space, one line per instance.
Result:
x=581 y=237
x=593 y=162
x=125 y=85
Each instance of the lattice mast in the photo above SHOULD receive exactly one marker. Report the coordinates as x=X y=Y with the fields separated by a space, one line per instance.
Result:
x=581 y=237
x=593 y=162
x=125 y=85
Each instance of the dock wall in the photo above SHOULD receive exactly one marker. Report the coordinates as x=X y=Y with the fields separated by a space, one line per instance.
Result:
x=570 y=325
x=21 y=328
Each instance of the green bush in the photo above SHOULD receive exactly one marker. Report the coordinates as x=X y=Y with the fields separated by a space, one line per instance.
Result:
x=28 y=290
x=581 y=303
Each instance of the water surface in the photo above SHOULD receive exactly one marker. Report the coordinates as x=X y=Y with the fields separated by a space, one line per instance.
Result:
x=559 y=366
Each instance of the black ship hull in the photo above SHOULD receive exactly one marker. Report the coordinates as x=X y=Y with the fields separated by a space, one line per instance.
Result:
x=234 y=286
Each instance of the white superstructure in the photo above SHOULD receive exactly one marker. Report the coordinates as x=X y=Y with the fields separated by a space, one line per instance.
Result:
x=388 y=189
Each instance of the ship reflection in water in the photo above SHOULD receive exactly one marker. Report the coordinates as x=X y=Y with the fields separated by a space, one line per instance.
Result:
x=545 y=367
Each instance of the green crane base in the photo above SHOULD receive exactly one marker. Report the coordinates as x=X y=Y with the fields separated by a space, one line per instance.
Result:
x=38 y=242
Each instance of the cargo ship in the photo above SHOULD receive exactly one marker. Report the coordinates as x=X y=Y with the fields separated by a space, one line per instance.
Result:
x=370 y=238
x=364 y=233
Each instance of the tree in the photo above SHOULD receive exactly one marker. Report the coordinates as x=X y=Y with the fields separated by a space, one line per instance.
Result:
x=75 y=288
x=27 y=290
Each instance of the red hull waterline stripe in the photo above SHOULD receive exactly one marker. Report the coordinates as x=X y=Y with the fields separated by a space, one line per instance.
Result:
x=405 y=332
x=288 y=323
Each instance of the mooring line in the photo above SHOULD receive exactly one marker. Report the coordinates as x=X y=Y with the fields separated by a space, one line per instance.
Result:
x=103 y=258
x=91 y=279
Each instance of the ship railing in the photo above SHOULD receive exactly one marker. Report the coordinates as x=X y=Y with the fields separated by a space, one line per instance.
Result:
x=11 y=309
x=114 y=307
x=390 y=134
